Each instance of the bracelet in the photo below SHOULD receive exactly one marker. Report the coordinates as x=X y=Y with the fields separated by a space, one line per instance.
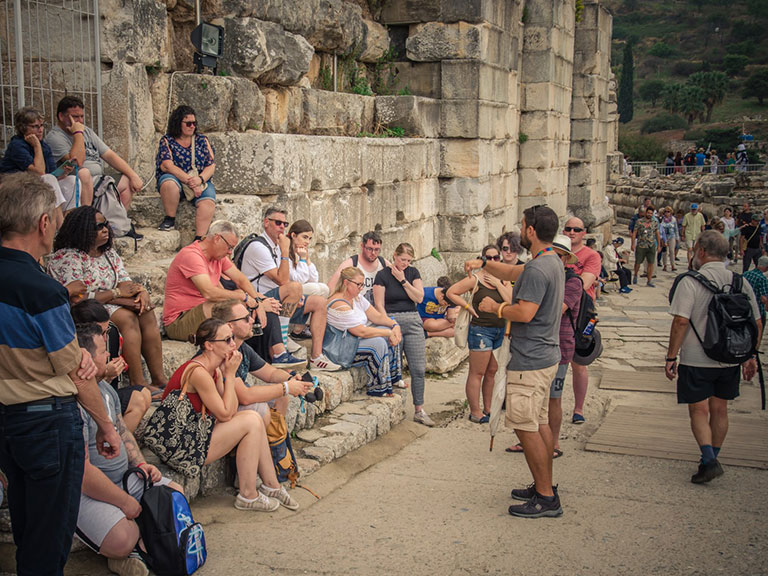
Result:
x=115 y=294
x=501 y=308
x=91 y=295
x=245 y=300
x=78 y=132
x=287 y=390
x=673 y=359
x=140 y=464
x=284 y=258
x=466 y=306
x=302 y=260
x=403 y=281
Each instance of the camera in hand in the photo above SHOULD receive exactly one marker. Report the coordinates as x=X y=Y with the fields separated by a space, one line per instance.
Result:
x=316 y=393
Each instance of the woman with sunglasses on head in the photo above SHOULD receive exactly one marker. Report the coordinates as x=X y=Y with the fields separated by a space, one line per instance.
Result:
x=179 y=175
x=211 y=378
x=85 y=262
x=486 y=333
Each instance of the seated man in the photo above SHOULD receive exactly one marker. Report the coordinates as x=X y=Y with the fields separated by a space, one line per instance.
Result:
x=106 y=519
x=279 y=384
x=134 y=400
x=368 y=261
x=267 y=266
x=70 y=138
x=437 y=314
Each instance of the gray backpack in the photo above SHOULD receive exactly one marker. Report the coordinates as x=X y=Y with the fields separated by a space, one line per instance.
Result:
x=106 y=199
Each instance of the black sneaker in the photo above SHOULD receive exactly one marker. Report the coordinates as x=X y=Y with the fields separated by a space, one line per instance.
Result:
x=707 y=472
x=524 y=494
x=537 y=507
x=167 y=224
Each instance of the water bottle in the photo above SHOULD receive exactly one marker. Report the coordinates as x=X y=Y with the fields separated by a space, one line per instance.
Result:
x=590 y=326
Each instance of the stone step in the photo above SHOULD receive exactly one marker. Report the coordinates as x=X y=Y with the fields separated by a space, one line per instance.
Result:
x=155 y=245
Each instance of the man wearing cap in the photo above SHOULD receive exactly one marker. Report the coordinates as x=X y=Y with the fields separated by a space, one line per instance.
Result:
x=693 y=225
x=615 y=263
x=753 y=244
x=758 y=281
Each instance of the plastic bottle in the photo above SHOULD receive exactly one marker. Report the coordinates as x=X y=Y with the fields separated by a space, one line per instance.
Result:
x=590 y=326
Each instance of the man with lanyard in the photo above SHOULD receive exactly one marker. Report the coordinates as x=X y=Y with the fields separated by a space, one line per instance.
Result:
x=588 y=269
x=43 y=376
x=368 y=261
x=534 y=317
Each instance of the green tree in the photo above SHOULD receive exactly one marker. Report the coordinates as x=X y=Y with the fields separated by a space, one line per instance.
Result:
x=734 y=64
x=713 y=85
x=756 y=85
x=687 y=99
x=626 y=86
x=652 y=90
x=661 y=50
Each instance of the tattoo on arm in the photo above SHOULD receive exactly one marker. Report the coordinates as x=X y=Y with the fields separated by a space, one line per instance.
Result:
x=131 y=446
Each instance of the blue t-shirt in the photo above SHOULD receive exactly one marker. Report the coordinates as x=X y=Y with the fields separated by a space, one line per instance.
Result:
x=700 y=157
x=19 y=156
x=430 y=307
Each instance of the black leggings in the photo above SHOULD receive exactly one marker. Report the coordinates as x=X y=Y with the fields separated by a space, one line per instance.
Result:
x=625 y=276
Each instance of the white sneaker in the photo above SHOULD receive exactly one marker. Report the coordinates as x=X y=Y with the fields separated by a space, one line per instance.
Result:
x=292 y=346
x=281 y=495
x=260 y=504
x=133 y=565
x=323 y=363
x=423 y=418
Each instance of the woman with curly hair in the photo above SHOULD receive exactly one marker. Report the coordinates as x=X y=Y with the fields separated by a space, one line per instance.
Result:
x=510 y=248
x=180 y=175
x=83 y=252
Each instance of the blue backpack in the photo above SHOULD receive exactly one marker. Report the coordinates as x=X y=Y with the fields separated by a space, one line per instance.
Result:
x=174 y=542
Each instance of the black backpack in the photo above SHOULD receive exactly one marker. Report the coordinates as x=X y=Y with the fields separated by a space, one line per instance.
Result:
x=174 y=542
x=730 y=336
x=587 y=313
x=239 y=252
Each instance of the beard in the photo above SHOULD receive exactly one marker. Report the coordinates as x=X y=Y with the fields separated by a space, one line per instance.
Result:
x=525 y=242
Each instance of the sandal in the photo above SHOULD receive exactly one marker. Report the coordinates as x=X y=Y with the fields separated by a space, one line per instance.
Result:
x=557 y=453
x=402 y=384
x=516 y=449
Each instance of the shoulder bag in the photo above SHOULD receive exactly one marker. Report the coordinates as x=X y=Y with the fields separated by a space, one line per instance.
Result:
x=461 y=327
x=339 y=345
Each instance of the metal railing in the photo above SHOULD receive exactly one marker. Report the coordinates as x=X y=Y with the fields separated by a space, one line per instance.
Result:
x=644 y=168
x=48 y=49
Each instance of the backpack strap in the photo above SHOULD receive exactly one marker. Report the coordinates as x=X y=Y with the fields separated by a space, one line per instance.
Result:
x=332 y=302
x=570 y=273
x=191 y=367
x=355 y=259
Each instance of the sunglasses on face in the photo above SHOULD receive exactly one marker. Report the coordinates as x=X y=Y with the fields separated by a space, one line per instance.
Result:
x=228 y=339
x=101 y=225
x=494 y=258
x=506 y=249
x=573 y=229
x=283 y=223
x=190 y=123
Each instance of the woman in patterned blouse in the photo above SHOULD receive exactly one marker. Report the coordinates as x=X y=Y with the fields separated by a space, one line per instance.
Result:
x=85 y=262
x=174 y=164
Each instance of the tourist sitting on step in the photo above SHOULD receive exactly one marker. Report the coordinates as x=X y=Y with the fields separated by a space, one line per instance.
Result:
x=378 y=336
x=71 y=139
x=303 y=270
x=134 y=400
x=106 y=520
x=396 y=291
x=84 y=252
x=368 y=261
x=275 y=385
x=437 y=313
x=212 y=384
x=184 y=166
x=266 y=263
x=28 y=152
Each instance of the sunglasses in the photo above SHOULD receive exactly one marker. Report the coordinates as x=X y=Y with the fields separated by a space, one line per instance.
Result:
x=228 y=339
x=101 y=225
x=283 y=223
x=573 y=229
x=506 y=249
x=494 y=258
x=189 y=124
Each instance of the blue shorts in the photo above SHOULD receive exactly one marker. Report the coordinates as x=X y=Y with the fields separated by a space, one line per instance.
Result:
x=484 y=338
x=298 y=317
x=209 y=192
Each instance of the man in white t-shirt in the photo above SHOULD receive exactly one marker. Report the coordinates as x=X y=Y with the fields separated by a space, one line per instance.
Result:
x=267 y=266
x=368 y=262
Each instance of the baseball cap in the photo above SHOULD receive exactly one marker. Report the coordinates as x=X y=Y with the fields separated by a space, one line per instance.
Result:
x=694 y=206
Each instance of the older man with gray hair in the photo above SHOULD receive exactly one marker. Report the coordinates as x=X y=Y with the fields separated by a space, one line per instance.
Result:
x=703 y=383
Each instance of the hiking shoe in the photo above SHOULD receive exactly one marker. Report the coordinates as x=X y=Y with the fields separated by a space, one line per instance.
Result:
x=423 y=418
x=286 y=360
x=323 y=363
x=578 y=418
x=707 y=472
x=133 y=565
x=537 y=507
x=281 y=495
x=167 y=224
x=634 y=279
x=259 y=504
x=524 y=494
x=292 y=346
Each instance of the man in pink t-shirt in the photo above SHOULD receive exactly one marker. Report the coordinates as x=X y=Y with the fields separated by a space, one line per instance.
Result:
x=193 y=283
x=588 y=268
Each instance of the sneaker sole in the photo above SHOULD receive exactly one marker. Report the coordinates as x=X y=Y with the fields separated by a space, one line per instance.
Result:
x=324 y=368
x=290 y=364
x=247 y=509
x=543 y=514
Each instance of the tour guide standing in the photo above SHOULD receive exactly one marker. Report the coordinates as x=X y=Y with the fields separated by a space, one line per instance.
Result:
x=42 y=373
x=703 y=383
x=534 y=317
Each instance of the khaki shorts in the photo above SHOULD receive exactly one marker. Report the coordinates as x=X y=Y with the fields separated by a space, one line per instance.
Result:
x=528 y=398
x=186 y=324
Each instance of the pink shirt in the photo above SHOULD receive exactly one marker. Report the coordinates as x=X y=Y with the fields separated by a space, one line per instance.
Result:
x=181 y=294
x=589 y=261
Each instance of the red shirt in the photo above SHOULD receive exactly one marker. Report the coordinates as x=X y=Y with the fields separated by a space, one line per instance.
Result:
x=589 y=261
x=175 y=384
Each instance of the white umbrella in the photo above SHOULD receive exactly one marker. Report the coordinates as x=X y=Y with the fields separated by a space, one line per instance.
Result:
x=499 y=386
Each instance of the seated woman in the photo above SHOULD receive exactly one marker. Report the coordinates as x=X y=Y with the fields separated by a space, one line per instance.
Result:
x=173 y=164
x=377 y=347
x=486 y=334
x=134 y=400
x=214 y=387
x=83 y=251
x=28 y=152
x=302 y=269
x=614 y=262
x=436 y=312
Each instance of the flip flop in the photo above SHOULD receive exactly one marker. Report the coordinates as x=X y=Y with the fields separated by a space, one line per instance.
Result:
x=557 y=453
x=157 y=392
x=516 y=449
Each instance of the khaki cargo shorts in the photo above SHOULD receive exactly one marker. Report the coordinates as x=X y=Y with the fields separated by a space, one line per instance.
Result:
x=528 y=398
x=186 y=324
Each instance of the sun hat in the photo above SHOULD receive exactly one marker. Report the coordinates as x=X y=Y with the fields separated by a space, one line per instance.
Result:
x=586 y=357
x=562 y=245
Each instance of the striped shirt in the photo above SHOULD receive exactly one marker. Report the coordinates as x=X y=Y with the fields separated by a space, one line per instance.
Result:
x=38 y=348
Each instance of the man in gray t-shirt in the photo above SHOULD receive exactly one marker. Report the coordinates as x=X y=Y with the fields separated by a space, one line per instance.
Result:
x=70 y=138
x=534 y=317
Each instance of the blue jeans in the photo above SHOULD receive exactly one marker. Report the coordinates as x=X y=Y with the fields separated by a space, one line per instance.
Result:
x=42 y=453
x=298 y=316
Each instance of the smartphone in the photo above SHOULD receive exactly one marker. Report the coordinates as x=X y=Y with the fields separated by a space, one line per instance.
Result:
x=61 y=170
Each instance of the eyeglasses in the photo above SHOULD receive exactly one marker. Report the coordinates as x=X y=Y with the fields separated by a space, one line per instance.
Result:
x=573 y=229
x=230 y=246
x=372 y=248
x=247 y=317
x=36 y=126
x=101 y=225
x=283 y=223
x=358 y=284
x=228 y=340
x=494 y=258
x=190 y=123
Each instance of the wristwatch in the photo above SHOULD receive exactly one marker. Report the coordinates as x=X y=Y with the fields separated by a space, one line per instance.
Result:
x=403 y=281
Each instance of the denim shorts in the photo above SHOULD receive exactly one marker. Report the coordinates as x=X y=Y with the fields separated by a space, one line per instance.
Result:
x=299 y=316
x=484 y=338
x=209 y=191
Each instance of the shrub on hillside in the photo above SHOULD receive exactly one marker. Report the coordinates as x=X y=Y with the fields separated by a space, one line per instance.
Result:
x=721 y=139
x=641 y=148
x=686 y=68
x=734 y=64
x=662 y=50
x=663 y=122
